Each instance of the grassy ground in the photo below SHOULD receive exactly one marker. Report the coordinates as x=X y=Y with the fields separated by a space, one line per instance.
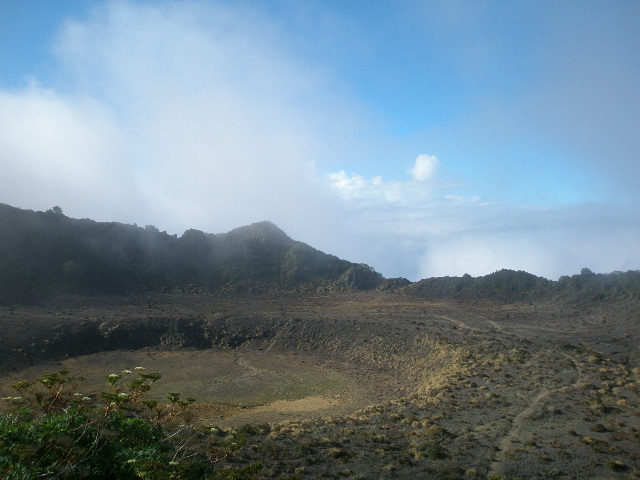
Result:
x=370 y=385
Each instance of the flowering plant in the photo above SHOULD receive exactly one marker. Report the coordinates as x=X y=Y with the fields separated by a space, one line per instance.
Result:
x=55 y=431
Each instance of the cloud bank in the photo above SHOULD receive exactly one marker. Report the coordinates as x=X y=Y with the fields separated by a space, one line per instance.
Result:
x=202 y=115
x=181 y=115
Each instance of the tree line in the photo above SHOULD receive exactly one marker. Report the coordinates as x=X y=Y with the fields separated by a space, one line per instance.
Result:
x=43 y=253
x=512 y=285
x=47 y=252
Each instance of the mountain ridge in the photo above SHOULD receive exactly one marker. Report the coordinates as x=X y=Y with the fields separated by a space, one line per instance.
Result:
x=44 y=253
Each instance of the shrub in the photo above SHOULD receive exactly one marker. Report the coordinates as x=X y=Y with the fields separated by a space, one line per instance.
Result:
x=54 y=431
x=616 y=465
x=436 y=452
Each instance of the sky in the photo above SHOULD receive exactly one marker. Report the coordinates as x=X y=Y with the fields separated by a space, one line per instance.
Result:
x=423 y=138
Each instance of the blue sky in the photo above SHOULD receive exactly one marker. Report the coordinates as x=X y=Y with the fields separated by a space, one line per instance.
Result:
x=425 y=138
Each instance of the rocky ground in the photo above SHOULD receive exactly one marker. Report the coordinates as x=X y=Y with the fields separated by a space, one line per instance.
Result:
x=369 y=385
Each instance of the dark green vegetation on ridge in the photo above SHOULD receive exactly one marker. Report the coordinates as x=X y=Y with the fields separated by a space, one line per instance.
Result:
x=44 y=253
x=511 y=285
x=47 y=252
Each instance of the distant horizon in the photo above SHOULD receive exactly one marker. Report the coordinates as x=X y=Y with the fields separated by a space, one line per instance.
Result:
x=426 y=138
x=160 y=230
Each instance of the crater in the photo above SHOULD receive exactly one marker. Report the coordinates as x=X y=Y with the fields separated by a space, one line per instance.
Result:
x=240 y=368
x=238 y=386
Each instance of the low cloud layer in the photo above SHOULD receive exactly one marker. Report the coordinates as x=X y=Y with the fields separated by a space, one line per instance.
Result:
x=178 y=116
x=202 y=115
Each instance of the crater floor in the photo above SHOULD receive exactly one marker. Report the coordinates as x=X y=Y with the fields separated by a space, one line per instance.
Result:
x=370 y=385
x=235 y=387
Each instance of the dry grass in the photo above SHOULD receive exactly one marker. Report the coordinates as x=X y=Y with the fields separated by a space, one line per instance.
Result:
x=370 y=385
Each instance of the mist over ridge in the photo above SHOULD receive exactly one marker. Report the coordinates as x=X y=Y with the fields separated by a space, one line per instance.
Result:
x=44 y=253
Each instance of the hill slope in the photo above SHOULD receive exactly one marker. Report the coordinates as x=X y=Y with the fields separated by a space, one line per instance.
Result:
x=42 y=253
x=48 y=252
x=510 y=285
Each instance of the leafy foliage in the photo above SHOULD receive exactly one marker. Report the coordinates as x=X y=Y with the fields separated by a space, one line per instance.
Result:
x=54 y=431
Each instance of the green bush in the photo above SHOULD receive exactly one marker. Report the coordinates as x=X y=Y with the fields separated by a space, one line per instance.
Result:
x=54 y=431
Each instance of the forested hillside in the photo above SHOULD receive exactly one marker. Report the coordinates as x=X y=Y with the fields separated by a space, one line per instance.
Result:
x=511 y=285
x=43 y=253
x=47 y=252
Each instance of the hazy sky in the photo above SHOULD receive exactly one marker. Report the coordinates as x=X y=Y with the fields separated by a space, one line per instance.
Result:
x=424 y=138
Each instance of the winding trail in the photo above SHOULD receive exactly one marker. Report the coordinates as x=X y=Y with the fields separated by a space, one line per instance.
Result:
x=516 y=425
x=278 y=335
x=252 y=370
x=513 y=434
x=461 y=324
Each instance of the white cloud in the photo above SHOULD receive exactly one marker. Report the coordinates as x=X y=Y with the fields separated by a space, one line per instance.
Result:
x=60 y=150
x=548 y=243
x=199 y=115
x=357 y=187
x=447 y=235
x=425 y=167
x=378 y=190
x=181 y=115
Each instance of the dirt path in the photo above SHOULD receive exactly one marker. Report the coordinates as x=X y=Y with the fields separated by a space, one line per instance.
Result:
x=513 y=435
x=251 y=370
x=517 y=428
x=278 y=335
x=462 y=324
